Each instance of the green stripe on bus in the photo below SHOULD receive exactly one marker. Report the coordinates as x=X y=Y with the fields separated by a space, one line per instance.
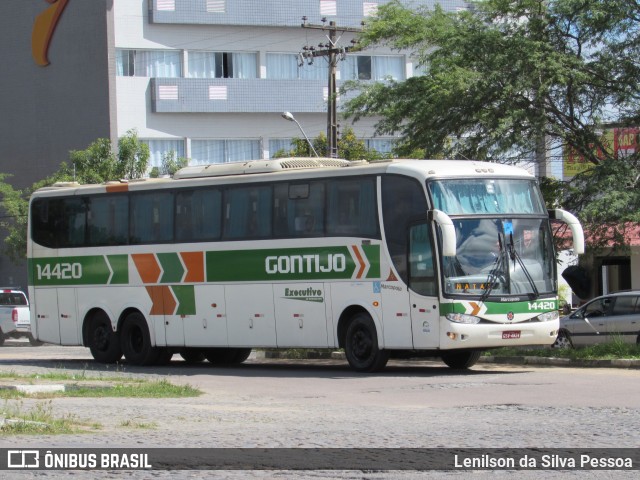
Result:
x=120 y=267
x=172 y=269
x=322 y=263
x=502 y=308
x=186 y=297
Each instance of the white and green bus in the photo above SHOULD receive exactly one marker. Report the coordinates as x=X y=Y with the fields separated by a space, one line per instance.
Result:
x=402 y=258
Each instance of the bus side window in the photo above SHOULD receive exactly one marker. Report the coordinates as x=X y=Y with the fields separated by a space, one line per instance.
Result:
x=247 y=212
x=198 y=214
x=108 y=220
x=151 y=217
x=402 y=199
x=352 y=208
x=299 y=209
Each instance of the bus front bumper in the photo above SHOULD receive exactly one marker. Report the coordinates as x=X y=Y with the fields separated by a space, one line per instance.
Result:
x=489 y=335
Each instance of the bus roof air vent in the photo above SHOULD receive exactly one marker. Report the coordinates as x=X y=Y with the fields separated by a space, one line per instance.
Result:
x=258 y=166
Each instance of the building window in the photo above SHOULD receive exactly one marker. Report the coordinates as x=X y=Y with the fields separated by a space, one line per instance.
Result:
x=380 y=145
x=380 y=67
x=160 y=148
x=328 y=7
x=280 y=145
x=216 y=6
x=205 y=152
x=288 y=66
x=222 y=65
x=166 y=5
x=369 y=9
x=148 y=63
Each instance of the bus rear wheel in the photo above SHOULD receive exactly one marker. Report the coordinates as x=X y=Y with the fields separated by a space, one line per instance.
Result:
x=192 y=355
x=135 y=341
x=102 y=341
x=461 y=360
x=361 y=345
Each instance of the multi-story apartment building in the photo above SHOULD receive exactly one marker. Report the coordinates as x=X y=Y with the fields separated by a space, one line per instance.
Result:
x=207 y=79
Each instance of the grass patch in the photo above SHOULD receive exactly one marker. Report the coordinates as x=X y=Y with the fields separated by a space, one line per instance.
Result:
x=148 y=389
x=40 y=420
x=614 y=349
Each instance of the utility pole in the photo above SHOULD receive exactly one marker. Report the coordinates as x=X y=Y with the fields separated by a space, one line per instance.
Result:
x=334 y=54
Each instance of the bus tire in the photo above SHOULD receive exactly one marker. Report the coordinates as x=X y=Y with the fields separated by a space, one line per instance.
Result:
x=102 y=341
x=241 y=354
x=135 y=341
x=461 y=359
x=192 y=355
x=361 y=345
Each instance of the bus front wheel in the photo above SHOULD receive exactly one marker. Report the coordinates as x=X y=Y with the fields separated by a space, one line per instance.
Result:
x=103 y=342
x=136 y=341
x=361 y=345
x=461 y=360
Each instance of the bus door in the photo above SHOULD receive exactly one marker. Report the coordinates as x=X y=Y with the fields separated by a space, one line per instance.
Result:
x=423 y=297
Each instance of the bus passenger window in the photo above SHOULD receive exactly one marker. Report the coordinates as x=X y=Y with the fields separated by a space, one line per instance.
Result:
x=352 y=208
x=247 y=212
x=151 y=217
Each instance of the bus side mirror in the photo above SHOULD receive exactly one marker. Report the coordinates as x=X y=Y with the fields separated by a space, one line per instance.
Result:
x=574 y=226
x=447 y=229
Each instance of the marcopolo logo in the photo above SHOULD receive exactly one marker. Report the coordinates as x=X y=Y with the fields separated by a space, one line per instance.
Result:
x=309 y=294
x=43 y=28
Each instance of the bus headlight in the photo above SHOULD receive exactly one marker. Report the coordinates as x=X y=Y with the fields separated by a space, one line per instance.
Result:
x=463 y=318
x=548 y=316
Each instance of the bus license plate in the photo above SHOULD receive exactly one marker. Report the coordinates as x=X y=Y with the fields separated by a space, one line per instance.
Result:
x=511 y=334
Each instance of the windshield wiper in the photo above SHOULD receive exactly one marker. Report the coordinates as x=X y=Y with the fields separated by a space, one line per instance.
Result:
x=513 y=253
x=498 y=266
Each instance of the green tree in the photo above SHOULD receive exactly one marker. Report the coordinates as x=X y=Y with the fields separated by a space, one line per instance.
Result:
x=96 y=164
x=503 y=75
x=349 y=148
x=504 y=80
x=170 y=165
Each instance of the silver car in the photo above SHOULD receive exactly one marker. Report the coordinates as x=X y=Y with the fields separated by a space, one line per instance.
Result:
x=616 y=315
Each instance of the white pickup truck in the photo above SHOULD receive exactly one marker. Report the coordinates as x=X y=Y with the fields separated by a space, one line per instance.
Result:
x=15 y=318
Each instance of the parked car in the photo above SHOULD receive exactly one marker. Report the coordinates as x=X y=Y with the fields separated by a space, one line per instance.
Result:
x=15 y=319
x=600 y=320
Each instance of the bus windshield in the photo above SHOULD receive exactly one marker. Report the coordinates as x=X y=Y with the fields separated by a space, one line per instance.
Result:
x=501 y=257
x=487 y=196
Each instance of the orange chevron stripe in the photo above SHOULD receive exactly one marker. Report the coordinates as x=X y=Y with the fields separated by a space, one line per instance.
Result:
x=194 y=261
x=363 y=265
x=43 y=28
x=476 y=308
x=147 y=266
x=162 y=300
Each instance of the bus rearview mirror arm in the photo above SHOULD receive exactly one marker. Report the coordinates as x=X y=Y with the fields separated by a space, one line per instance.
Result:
x=447 y=229
x=574 y=226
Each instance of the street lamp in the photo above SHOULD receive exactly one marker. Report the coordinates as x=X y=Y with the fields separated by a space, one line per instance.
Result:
x=291 y=118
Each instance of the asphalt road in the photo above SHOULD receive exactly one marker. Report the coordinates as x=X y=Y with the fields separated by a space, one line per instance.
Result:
x=269 y=403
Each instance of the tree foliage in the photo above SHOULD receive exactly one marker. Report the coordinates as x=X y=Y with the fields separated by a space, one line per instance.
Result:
x=96 y=164
x=504 y=80
x=349 y=148
x=502 y=74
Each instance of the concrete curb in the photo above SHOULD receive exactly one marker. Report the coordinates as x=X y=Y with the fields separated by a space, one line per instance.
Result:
x=514 y=360
x=562 y=362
